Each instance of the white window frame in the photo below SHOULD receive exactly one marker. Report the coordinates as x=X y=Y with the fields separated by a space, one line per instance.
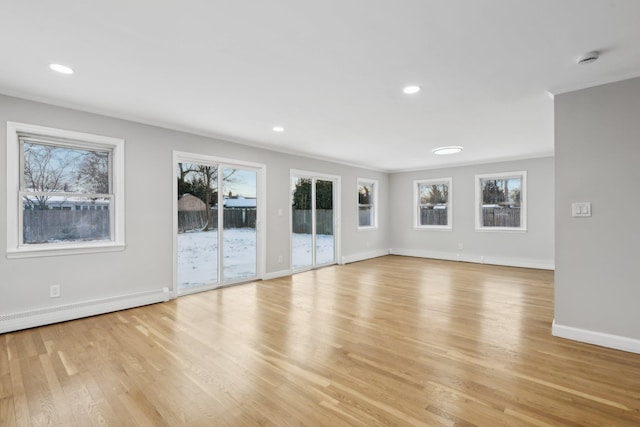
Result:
x=416 y=204
x=523 y=200
x=374 y=204
x=15 y=207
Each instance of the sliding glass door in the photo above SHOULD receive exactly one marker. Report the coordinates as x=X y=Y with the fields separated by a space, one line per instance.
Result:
x=313 y=222
x=240 y=237
x=216 y=223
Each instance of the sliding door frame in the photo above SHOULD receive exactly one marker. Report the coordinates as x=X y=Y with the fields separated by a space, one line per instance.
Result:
x=221 y=163
x=314 y=176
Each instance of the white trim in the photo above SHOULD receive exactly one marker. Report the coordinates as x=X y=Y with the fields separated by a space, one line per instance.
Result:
x=277 y=274
x=62 y=313
x=540 y=264
x=14 y=209
x=374 y=196
x=523 y=200
x=261 y=172
x=416 y=203
x=598 y=338
x=364 y=256
x=50 y=250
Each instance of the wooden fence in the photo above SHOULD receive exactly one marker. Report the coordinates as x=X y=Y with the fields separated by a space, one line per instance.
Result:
x=433 y=216
x=51 y=225
x=500 y=217
x=233 y=218
x=302 y=221
x=364 y=216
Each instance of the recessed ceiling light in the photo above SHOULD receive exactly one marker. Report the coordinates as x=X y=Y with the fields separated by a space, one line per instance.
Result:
x=278 y=129
x=410 y=90
x=63 y=69
x=452 y=149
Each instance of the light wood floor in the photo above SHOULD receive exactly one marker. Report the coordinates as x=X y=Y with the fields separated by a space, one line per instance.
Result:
x=390 y=341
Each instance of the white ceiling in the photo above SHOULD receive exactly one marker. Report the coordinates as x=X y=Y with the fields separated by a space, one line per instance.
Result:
x=330 y=71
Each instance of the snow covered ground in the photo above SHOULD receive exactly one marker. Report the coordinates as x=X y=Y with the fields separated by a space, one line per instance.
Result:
x=198 y=255
x=301 y=245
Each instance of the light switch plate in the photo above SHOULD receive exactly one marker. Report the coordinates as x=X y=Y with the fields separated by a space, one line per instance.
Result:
x=581 y=209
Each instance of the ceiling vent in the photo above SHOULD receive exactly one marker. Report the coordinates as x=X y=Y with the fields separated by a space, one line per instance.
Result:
x=588 y=58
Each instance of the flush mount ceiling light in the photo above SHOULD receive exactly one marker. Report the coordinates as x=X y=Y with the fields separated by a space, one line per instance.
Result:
x=62 y=69
x=278 y=129
x=588 y=58
x=410 y=90
x=452 y=149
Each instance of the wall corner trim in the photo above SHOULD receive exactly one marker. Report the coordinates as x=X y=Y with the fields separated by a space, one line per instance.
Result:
x=62 y=313
x=598 y=338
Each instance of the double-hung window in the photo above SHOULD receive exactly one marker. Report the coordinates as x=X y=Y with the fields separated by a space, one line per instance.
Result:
x=367 y=204
x=501 y=201
x=433 y=208
x=65 y=191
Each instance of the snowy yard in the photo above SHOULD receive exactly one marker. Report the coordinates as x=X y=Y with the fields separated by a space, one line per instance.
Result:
x=198 y=254
x=301 y=248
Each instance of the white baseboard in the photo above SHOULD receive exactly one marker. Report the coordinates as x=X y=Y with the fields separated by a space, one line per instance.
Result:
x=364 y=255
x=62 y=313
x=478 y=259
x=598 y=338
x=276 y=274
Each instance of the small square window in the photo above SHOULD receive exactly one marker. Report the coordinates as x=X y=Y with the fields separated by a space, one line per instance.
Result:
x=501 y=202
x=433 y=207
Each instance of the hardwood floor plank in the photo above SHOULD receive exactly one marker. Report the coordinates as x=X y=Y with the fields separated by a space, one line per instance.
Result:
x=20 y=399
x=389 y=341
x=7 y=412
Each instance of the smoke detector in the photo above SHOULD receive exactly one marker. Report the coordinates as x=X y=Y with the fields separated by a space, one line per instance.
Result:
x=588 y=58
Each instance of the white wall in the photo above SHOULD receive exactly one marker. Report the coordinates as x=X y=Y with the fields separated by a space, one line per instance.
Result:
x=597 y=291
x=146 y=266
x=533 y=248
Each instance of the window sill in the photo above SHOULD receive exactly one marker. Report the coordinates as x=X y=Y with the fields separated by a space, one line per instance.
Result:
x=57 y=250
x=372 y=228
x=434 y=228
x=501 y=229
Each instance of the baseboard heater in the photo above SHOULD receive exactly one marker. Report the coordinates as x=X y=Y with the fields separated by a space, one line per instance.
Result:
x=61 y=313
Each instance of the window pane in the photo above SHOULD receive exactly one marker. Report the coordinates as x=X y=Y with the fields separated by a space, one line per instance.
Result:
x=50 y=168
x=365 y=216
x=365 y=194
x=302 y=221
x=53 y=219
x=197 y=240
x=325 y=251
x=366 y=201
x=239 y=237
x=501 y=202
x=433 y=204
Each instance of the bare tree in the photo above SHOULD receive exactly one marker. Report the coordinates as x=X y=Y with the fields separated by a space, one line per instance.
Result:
x=54 y=169
x=93 y=172
x=191 y=176
x=46 y=170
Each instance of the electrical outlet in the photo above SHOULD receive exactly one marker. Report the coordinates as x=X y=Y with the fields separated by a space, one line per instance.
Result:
x=280 y=259
x=54 y=291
